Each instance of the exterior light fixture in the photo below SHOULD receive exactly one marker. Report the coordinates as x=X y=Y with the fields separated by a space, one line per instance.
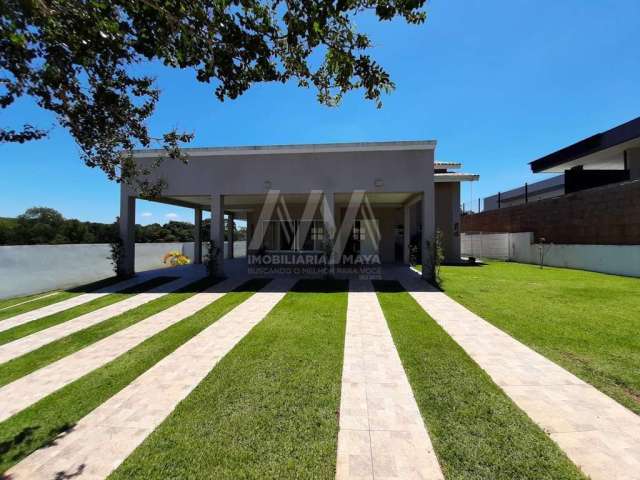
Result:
x=378 y=182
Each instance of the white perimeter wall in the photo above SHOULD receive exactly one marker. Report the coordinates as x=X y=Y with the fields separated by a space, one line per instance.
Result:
x=519 y=247
x=26 y=269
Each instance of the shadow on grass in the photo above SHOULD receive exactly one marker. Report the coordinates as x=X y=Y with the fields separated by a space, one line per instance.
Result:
x=27 y=440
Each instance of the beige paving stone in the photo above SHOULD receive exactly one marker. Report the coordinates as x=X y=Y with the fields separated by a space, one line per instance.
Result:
x=105 y=437
x=27 y=344
x=382 y=434
x=25 y=391
x=598 y=434
x=27 y=317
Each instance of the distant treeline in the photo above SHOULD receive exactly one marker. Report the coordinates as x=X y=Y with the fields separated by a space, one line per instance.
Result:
x=46 y=226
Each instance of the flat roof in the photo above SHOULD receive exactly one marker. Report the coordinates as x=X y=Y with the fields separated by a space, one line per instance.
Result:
x=289 y=149
x=455 y=177
x=595 y=143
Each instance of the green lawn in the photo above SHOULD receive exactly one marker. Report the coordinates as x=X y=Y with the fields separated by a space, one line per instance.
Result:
x=587 y=322
x=25 y=364
x=10 y=309
x=28 y=328
x=477 y=432
x=41 y=423
x=10 y=302
x=269 y=409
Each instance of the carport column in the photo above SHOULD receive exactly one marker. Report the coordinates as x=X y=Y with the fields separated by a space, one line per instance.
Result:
x=230 y=229
x=407 y=234
x=428 y=231
x=217 y=231
x=127 y=226
x=197 y=236
x=328 y=218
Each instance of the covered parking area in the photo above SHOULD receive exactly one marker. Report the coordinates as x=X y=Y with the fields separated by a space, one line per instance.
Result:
x=382 y=199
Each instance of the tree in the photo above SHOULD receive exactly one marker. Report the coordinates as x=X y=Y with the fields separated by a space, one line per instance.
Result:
x=76 y=59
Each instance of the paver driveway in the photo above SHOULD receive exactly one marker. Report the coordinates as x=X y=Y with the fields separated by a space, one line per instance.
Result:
x=382 y=433
x=598 y=434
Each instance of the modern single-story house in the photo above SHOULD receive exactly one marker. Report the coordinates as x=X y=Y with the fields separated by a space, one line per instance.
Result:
x=606 y=158
x=374 y=198
x=612 y=156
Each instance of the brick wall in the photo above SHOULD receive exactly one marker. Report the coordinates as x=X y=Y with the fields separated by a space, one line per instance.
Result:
x=608 y=215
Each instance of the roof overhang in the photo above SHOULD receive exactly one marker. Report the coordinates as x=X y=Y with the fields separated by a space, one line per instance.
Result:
x=455 y=177
x=603 y=151
x=295 y=149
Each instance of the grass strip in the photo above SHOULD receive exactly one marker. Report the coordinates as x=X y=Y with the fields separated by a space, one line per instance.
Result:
x=41 y=423
x=43 y=356
x=35 y=304
x=268 y=409
x=28 y=328
x=50 y=300
x=587 y=322
x=476 y=430
x=10 y=302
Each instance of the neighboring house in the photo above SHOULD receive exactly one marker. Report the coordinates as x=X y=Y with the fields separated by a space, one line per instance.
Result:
x=606 y=158
x=598 y=209
x=293 y=196
x=529 y=192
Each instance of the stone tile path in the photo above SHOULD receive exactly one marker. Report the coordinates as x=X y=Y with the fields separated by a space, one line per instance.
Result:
x=75 y=301
x=599 y=435
x=38 y=339
x=25 y=391
x=105 y=437
x=382 y=434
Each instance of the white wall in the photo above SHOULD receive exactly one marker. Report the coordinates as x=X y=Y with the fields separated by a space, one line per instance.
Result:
x=519 y=247
x=26 y=269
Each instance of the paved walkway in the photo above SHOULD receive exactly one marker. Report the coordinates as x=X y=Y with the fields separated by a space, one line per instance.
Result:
x=77 y=300
x=105 y=437
x=599 y=435
x=31 y=388
x=382 y=434
x=38 y=339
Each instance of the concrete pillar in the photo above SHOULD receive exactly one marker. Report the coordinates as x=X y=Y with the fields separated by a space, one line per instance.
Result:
x=633 y=163
x=230 y=229
x=428 y=231
x=329 y=221
x=127 y=227
x=197 y=236
x=407 y=234
x=454 y=254
x=217 y=230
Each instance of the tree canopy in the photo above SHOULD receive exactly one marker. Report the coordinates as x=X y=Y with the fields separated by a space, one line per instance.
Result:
x=46 y=226
x=75 y=59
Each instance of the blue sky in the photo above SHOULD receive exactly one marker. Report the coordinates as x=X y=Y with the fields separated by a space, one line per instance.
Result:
x=496 y=83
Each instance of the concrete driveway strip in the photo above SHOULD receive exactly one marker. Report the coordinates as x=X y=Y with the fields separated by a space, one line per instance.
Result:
x=26 y=391
x=38 y=339
x=27 y=317
x=382 y=434
x=598 y=434
x=104 y=438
